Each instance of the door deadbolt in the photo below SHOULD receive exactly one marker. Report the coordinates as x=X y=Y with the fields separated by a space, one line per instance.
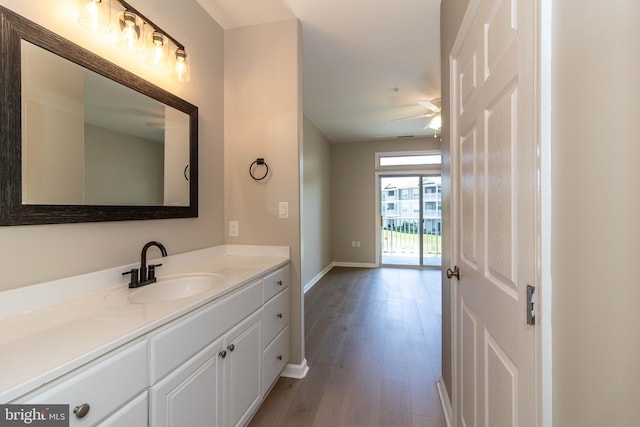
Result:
x=454 y=272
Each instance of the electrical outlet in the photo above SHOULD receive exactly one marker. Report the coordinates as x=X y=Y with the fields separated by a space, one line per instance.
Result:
x=353 y=243
x=234 y=229
x=357 y=243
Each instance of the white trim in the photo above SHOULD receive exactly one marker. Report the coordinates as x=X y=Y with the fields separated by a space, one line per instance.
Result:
x=377 y=218
x=444 y=401
x=545 y=285
x=317 y=278
x=297 y=371
x=355 y=264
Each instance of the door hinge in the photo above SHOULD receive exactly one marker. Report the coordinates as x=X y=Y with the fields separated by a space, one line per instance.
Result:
x=531 y=305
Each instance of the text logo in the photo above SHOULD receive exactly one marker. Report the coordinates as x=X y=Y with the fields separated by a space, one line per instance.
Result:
x=34 y=415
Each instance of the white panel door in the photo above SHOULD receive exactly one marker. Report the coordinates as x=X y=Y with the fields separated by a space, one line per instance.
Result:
x=494 y=161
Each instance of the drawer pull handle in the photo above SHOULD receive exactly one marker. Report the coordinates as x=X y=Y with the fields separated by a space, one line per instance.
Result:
x=81 y=410
x=279 y=357
x=231 y=347
x=279 y=315
x=279 y=282
x=223 y=354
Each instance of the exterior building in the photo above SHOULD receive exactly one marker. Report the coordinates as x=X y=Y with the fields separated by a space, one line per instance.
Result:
x=401 y=208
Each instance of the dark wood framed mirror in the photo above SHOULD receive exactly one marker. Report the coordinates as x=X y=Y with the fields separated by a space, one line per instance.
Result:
x=83 y=140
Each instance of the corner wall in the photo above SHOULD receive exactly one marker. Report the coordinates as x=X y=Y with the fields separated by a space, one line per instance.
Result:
x=595 y=203
x=263 y=119
x=40 y=253
x=316 y=203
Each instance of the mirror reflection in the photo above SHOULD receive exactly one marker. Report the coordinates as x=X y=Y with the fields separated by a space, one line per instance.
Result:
x=87 y=140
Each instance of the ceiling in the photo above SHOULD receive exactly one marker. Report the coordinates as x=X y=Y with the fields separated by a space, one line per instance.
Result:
x=366 y=63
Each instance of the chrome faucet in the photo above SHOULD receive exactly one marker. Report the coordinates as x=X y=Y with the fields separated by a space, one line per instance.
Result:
x=146 y=274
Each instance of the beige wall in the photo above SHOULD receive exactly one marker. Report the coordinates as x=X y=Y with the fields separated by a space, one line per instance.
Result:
x=53 y=131
x=263 y=118
x=451 y=14
x=121 y=168
x=595 y=205
x=316 y=203
x=353 y=184
x=34 y=254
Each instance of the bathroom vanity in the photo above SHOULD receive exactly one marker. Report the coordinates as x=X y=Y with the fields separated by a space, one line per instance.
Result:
x=202 y=346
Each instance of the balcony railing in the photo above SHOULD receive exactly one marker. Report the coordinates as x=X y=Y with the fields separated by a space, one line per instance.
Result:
x=401 y=237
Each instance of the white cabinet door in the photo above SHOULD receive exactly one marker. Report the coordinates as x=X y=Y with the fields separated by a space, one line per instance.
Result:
x=242 y=370
x=190 y=395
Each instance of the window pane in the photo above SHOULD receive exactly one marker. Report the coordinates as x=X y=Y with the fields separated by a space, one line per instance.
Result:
x=430 y=159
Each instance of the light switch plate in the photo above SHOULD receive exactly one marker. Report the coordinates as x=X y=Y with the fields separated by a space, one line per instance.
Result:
x=234 y=229
x=283 y=210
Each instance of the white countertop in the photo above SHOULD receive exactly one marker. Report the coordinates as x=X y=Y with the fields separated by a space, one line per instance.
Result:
x=50 y=329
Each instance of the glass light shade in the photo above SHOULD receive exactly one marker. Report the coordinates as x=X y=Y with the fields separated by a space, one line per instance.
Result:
x=95 y=15
x=436 y=122
x=131 y=30
x=157 y=49
x=182 y=66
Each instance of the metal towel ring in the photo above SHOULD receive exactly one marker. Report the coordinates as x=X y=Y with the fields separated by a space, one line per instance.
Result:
x=255 y=163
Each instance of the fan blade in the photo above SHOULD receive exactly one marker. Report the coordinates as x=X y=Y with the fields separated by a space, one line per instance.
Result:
x=430 y=105
x=413 y=117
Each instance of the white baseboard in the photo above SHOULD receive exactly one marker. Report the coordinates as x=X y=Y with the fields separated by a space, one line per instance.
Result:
x=445 y=402
x=297 y=371
x=317 y=278
x=355 y=264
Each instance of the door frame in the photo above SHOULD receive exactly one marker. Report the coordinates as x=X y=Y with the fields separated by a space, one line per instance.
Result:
x=542 y=138
x=388 y=172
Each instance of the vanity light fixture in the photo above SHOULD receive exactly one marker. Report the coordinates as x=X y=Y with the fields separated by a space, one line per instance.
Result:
x=137 y=34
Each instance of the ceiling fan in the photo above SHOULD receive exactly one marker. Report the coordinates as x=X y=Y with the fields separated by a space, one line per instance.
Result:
x=436 y=119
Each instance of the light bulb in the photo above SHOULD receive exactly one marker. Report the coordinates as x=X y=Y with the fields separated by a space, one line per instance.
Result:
x=129 y=31
x=182 y=66
x=129 y=35
x=436 y=122
x=95 y=15
x=92 y=10
x=158 y=48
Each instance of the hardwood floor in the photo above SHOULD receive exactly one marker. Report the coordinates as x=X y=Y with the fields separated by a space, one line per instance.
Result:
x=373 y=348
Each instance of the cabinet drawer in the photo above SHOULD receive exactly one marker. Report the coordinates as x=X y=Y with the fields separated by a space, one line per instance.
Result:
x=104 y=385
x=275 y=357
x=276 y=282
x=275 y=316
x=132 y=414
x=183 y=338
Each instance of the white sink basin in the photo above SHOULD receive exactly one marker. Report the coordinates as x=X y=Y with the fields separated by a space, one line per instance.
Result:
x=171 y=288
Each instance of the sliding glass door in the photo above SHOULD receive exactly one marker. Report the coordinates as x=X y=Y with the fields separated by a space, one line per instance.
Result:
x=411 y=220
